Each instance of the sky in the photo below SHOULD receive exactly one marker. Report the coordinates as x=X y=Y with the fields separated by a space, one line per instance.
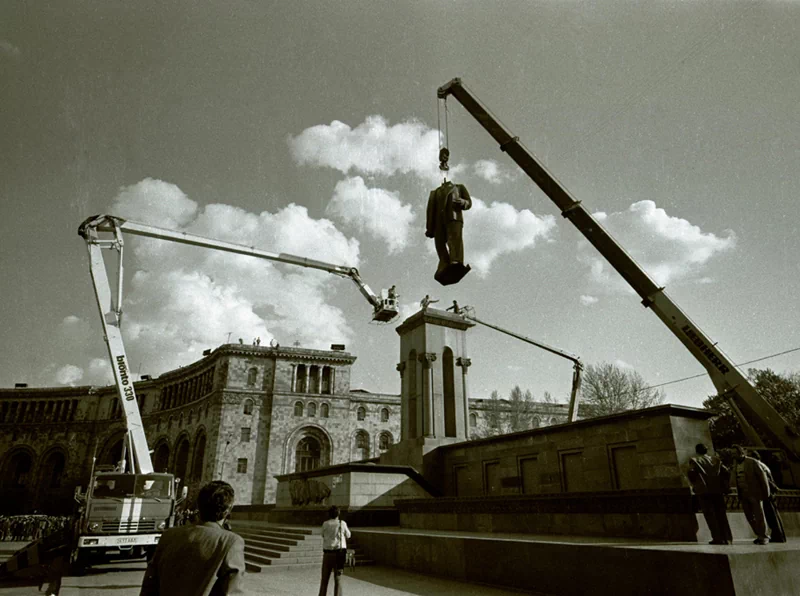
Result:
x=312 y=128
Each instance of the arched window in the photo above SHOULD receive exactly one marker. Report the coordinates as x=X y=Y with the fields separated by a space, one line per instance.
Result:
x=191 y=415
x=307 y=455
x=384 y=441
x=182 y=459
x=324 y=411
x=312 y=409
x=449 y=397
x=362 y=446
x=169 y=422
x=298 y=408
x=473 y=420
x=17 y=470
x=199 y=457
x=361 y=413
x=248 y=407
x=53 y=471
x=161 y=459
x=326 y=380
x=180 y=421
x=300 y=382
x=252 y=375
x=536 y=423
x=411 y=367
x=385 y=415
x=554 y=420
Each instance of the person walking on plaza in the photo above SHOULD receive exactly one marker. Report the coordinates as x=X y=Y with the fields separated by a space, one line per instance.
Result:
x=752 y=484
x=200 y=559
x=710 y=480
x=334 y=551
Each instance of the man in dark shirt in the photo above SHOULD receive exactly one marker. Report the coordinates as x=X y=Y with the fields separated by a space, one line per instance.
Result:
x=710 y=481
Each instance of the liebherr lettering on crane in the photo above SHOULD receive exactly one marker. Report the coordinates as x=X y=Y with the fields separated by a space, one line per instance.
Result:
x=123 y=377
x=707 y=351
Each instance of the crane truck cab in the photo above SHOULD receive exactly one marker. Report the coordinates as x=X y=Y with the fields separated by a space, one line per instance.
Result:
x=124 y=514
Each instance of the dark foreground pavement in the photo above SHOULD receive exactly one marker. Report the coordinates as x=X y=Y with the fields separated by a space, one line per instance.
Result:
x=124 y=579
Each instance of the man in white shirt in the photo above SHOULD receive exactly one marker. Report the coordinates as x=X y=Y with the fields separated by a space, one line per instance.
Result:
x=334 y=547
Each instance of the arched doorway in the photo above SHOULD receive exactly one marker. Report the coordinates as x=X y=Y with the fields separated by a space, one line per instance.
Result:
x=17 y=483
x=199 y=457
x=51 y=484
x=307 y=448
x=307 y=455
x=449 y=391
x=161 y=458
x=182 y=459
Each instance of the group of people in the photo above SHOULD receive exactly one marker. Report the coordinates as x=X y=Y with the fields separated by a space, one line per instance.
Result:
x=23 y=528
x=710 y=477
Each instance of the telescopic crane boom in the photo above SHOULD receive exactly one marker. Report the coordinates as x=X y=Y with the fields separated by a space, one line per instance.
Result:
x=384 y=308
x=727 y=379
x=577 y=367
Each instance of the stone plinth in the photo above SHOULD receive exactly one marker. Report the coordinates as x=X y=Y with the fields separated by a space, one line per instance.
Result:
x=575 y=566
x=639 y=450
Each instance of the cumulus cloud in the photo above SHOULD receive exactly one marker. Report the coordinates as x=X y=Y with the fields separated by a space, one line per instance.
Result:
x=183 y=299
x=374 y=147
x=154 y=202
x=376 y=211
x=9 y=49
x=669 y=248
x=587 y=300
x=491 y=171
x=69 y=374
x=498 y=229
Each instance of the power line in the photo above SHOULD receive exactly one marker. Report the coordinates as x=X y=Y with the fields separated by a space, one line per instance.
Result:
x=704 y=374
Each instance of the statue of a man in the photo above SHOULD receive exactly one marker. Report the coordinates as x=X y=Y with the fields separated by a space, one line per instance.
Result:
x=444 y=224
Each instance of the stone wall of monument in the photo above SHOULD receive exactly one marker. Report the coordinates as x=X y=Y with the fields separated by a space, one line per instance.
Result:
x=645 y=449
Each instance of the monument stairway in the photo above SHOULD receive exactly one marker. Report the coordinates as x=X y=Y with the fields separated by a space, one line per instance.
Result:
x=268 y=545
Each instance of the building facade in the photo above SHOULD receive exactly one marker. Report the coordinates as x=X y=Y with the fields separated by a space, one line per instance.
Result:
x=242 y=414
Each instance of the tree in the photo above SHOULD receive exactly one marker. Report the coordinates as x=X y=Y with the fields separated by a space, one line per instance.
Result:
x=505 y=416
x=782 y=392
x=609 y=389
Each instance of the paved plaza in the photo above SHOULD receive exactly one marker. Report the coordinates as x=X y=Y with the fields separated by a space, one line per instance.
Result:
x=124 y=579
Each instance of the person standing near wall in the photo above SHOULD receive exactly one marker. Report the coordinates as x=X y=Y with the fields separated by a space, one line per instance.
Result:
x=752 y=484
x=771 y=514
x=334 y=551
x=710 y=481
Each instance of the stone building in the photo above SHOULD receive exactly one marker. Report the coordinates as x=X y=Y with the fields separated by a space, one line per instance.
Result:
x=242 y=413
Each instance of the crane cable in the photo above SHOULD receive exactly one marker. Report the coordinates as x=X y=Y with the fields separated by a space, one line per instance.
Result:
x=444 y=148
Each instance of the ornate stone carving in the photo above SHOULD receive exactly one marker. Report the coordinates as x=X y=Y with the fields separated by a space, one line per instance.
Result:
x=427 y=358
x=308 y=492
x=465 y=363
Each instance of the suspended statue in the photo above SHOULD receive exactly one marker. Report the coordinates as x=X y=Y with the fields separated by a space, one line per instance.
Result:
x=445 y=223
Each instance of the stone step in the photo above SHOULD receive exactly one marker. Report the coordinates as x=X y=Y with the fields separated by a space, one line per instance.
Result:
x=267 y=538
x=294 y=530
x=265 y=552
x=279 y=537
x=268 y=561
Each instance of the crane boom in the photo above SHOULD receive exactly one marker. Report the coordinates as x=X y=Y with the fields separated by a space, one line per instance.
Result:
x=384 y=308
x=727 y=379
x=577 y=366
